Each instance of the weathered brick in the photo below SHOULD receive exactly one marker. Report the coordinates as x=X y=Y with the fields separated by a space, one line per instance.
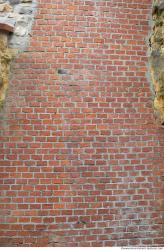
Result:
x=81 y=154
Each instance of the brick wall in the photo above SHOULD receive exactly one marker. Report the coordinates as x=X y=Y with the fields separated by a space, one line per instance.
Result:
x=81 y=156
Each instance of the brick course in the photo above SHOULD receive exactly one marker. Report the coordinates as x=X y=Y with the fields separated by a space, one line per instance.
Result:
x=81 y=156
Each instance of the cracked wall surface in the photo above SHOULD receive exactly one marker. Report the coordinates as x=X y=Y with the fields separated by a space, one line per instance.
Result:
x=157 y=58
x=16 y=17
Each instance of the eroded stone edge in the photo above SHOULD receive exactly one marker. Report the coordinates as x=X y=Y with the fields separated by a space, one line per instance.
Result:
x=16 y=18
x=156 y=58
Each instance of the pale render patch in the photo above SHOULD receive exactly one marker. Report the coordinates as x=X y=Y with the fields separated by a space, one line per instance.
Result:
x=18 y=15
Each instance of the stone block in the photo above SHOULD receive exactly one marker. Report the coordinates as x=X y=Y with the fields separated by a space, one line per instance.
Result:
x=5 y=7
x=6 y=27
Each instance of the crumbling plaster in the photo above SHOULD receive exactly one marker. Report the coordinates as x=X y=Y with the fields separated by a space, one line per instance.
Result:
x=157 y=58
x=16 y=18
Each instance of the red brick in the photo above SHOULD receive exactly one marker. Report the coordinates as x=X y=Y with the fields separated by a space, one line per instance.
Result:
x=82 y=149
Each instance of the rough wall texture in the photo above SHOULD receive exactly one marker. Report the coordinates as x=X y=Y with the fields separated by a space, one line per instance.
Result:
x=5 y=58
x=81 y=154
x=157 y=57
x=16 y=18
